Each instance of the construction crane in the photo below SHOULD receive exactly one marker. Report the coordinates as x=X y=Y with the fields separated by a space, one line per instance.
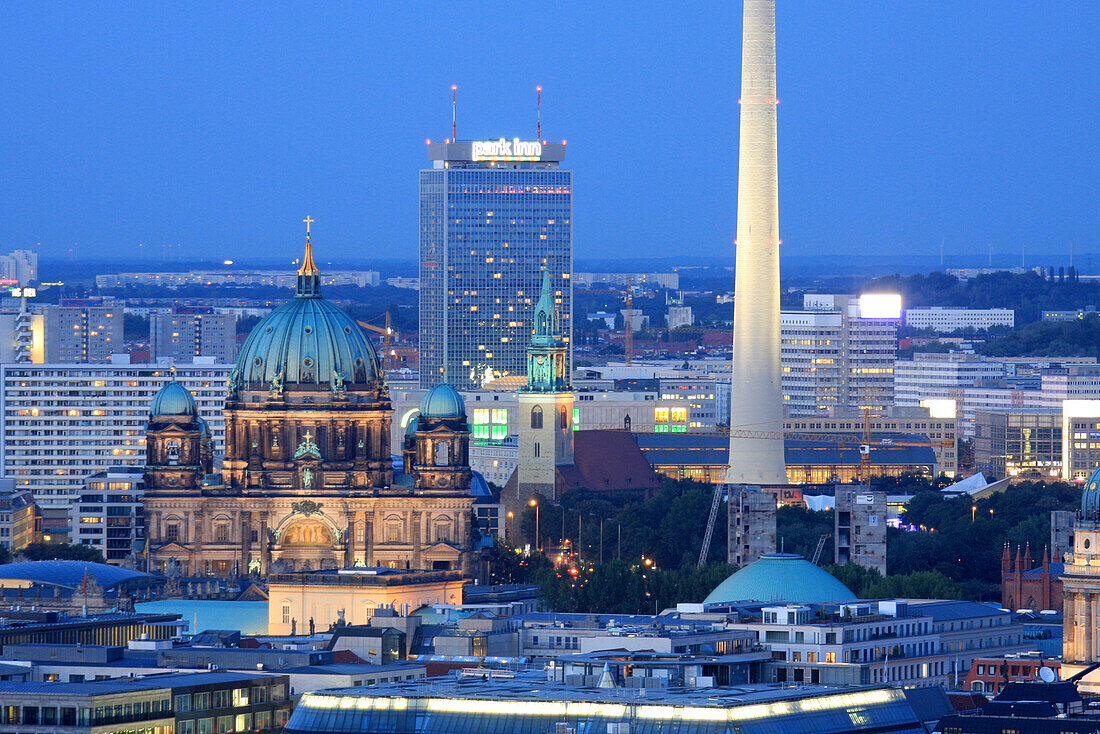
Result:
x=715 y=503
x=388 y=334
x=864 y=443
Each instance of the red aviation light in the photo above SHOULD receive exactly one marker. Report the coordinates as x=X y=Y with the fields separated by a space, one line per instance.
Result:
x=428 y=141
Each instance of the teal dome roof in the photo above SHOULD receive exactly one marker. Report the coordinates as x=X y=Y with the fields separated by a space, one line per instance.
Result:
x=443 y=401
x=306 y=341
x=1090 y=498
x=410 y=429
x=173 y=399
x=780 y=577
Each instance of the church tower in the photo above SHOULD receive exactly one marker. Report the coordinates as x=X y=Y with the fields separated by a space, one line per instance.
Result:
x=545 y=421
x=177 y=442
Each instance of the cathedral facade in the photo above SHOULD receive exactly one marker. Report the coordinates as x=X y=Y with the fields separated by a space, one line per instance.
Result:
x=307 y=481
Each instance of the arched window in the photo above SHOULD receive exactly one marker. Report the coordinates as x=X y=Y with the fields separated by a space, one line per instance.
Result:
x=563 y=419
x=173 y=452
x=536 y=417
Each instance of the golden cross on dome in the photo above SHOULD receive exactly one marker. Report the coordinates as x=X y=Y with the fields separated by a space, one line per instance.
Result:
x=308 y=222
x=307 y=436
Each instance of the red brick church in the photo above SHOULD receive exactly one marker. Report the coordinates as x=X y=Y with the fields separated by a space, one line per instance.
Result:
x=1024 y=586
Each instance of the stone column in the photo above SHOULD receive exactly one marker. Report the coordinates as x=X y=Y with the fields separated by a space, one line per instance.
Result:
x=370 y=527
x=414 y=518
x=265 y=546
x=1086 y=627
x=349 y=541
x=245 y=528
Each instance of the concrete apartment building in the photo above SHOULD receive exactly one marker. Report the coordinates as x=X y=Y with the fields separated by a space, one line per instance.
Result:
x=82 y=332
x=62 y=422
x=188 y=332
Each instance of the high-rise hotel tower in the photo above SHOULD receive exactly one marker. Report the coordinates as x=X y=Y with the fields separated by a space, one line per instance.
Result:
x=756 y=392
x=492 y=215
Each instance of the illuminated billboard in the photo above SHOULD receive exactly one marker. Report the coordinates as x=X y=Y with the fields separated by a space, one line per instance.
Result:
x=880 y=306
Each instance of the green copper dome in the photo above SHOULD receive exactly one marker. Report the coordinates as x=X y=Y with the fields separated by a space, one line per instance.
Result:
x=780 y=577
x=306 y=342
x=173 y=399
x=1090 y=498
x=443 y=401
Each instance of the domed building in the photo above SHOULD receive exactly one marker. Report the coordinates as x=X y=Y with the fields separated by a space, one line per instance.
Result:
x=307 y=481
x=780 y=577
x=1081 y=587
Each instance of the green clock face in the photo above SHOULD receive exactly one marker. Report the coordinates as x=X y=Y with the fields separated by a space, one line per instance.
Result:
x=173 y=480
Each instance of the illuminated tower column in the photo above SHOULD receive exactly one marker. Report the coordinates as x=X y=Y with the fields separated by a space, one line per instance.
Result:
x=757 y=398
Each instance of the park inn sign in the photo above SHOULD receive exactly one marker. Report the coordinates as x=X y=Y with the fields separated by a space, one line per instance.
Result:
x=506 y=150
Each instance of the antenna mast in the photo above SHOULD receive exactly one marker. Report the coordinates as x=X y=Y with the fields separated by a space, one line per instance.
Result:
x=538 y=125
x=454 y=112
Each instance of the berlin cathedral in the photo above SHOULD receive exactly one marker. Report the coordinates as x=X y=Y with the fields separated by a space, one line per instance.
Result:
x=307 y=482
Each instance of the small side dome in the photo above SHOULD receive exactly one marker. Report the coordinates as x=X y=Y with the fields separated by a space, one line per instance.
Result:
x=1090 y=498
x=443 y=401
x=780 y=577
x=174 y=399
x=204 y=427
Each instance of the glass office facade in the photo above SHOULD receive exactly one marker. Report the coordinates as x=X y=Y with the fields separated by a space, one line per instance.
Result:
x=675 y=711
x=486 y=230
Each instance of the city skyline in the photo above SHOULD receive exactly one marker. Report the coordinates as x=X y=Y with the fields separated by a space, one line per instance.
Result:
x=905 y=124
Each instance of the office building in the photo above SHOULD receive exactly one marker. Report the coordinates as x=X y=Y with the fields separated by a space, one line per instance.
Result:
x=932 y=375
x=20 y=266
x=188 y=332
x=838 y=352
x=756 y=389
x=108 y=515
x=679 y=316
x=82 y=332
x=492 y=214
x=939 y=431
x=1026 y=442
x=22 y=337
x=1080 y=439
x=943 y=319
x=859 y=528
x=62 y=422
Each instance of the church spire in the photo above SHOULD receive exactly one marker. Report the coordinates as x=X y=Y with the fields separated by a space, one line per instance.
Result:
x=547 y=353
x=309 y=277
x=547 y=317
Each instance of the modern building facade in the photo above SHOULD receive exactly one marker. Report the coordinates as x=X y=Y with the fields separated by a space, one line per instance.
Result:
x=188 y=332
x=945 y=319
x=836 y=356
x=492 y=215
x=756 y=403
x=1025 y=442
x=20 y=266
x=62 y=422
x=241 y=278
x=108 y=515
x=82 y=332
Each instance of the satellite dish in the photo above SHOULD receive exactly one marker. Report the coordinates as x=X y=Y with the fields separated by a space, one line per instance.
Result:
x=1047 y=674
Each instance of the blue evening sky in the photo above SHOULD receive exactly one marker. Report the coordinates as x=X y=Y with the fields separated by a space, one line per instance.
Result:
x=219 y=125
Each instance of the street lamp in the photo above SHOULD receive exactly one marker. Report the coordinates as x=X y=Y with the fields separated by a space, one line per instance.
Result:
x=535 y=503
x=508 y=524
x=973 y=509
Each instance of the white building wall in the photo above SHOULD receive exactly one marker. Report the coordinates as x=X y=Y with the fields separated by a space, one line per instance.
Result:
x=942 y=318
x=62 y=422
